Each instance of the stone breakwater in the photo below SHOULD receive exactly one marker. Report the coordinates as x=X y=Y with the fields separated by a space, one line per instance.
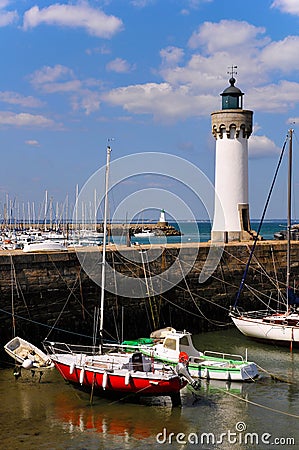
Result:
x=52 y=295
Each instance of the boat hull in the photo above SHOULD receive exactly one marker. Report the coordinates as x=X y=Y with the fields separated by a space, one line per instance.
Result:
x=118 y=383
x=272 y=332
x=27 y=355
x=216 y=369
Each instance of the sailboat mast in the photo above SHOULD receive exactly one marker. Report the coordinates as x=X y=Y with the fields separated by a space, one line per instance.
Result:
x=104 y=246
x=289 y=212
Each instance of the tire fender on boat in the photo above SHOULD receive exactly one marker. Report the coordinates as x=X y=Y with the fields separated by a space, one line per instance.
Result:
x=81 y=379
x=72 y=367
x=105 y=379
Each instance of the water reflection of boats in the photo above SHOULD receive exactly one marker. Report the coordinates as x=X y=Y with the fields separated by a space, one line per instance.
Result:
x=113 y=419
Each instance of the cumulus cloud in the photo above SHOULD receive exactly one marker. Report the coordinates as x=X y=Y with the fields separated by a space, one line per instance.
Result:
x=141 y=3
x=261 y=146
x=171 y=55
x=160 y=100
x=287 y=6
x=192 y=87
x=15 y=98
x=32 y=143
x=86 y=100
x=119 y=65
x=61 y=79
x=272 y=98
x=49 y=74
x=24 y=120
x=94 y=21
x=7 y=17
x=282 y=54
x=225 y=35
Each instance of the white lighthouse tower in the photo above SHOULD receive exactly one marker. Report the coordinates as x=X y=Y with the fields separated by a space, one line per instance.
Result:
x=231 y=127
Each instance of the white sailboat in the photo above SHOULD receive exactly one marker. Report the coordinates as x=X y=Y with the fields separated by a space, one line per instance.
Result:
x=44 y=245
x=114 y=371
x=279 y=325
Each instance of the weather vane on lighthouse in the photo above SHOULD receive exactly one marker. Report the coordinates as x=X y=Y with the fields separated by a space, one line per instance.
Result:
x=232 y=70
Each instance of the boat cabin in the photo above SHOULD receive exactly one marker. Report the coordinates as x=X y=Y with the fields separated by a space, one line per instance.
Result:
x=178 y=342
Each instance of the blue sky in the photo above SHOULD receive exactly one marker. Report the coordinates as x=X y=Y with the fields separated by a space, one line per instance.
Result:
x=147 y=73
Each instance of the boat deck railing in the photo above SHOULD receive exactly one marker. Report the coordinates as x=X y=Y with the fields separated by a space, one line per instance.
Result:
x=62 y=347
x=220 y=355
x=260 y=314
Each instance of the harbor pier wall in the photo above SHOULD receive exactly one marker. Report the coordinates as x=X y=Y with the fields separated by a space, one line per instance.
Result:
x=51 y=295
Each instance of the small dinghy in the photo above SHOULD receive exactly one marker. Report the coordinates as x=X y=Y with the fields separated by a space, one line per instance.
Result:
x=28 y=355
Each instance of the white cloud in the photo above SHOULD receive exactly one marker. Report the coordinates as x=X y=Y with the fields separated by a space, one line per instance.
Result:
x=7 y=17
x=282 y=54
x=86 y=100
x=94 y=21
x=287 y=6
x=171 y=55
x=32 y=143
x=49 y=74
x=141 y=3
x=160 y=100
x=193 y=88
x=261 y=146
x=226 y=35
x=61 y=79
x=279 y=97
x=14 y=98
x=119 y=65
x=55 y=79
x=293 y=120
x=24 y=120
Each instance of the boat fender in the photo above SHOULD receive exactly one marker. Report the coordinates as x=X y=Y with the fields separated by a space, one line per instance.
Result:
x=105 y=379
x=127 y=378
x=228 y=377
x=72 y=368
x=27 y=363
x=81 y=379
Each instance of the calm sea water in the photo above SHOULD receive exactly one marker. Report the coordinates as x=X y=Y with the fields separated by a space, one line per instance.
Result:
x=201 y=232
x=259 y=415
